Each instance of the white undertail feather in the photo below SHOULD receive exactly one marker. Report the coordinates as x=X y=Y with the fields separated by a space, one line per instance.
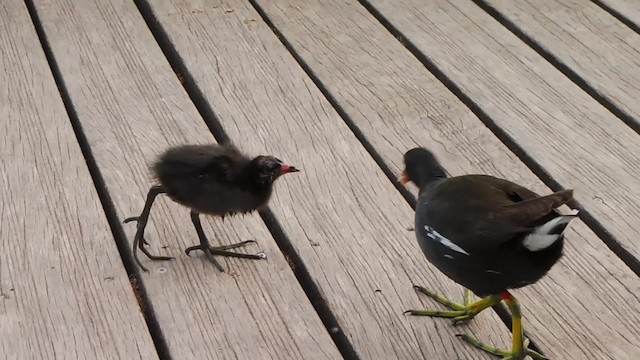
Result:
x=541 y=237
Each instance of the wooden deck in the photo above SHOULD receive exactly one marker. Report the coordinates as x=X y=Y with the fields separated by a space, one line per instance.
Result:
x=544 y=93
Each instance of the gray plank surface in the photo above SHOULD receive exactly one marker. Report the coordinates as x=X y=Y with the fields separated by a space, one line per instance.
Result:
x=574 y=139
x=64 y=292
x=594 y=44
x=342 y=214
x=398 y=104
x=132 y=106
x=630 y=9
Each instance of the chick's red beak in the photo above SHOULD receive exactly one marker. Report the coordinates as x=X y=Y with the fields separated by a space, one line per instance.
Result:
x=285 y=168
x=404 y=177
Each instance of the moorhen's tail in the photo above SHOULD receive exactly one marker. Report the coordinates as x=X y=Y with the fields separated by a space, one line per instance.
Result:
x=548 y=233
x=539 y=213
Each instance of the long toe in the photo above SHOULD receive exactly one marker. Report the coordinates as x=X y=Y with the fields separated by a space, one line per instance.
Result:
x=440 y=298
x=207 y=254
x=504 y=354
x=458 y=313
x=160 y=258
x=137 y=259
x=130 y=219
x=233 y=246
x=192 y=248
x=456 y=316
x=485 y=347
x=210 y=251
x=150 y=256
x=221 y=251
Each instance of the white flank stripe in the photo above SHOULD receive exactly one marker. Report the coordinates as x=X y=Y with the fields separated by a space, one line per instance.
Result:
x=432 y=233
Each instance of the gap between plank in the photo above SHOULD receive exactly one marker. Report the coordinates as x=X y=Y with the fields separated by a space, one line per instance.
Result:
x=297 y=265
x=122 y=244
x=339 y=109
x=616 y=14
x=500 y=309
x=596 y=226
x=558 y=64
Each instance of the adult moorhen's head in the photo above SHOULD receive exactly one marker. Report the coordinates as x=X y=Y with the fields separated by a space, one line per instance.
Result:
x=266 y=169
x=421 y=167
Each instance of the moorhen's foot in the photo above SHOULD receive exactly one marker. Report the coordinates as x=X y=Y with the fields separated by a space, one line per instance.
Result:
x=517 y=353
x=458 y=312
x=209 y=251
x=141 y=246
x=135 y=218
x=130 y=219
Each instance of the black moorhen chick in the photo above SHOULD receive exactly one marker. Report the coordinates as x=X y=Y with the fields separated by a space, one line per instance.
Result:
x=488 y=235
x=210 y=179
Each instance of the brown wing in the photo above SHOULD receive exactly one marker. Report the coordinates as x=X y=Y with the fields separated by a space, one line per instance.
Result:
x=528 y=207
x=518 y=208
x=530 y=211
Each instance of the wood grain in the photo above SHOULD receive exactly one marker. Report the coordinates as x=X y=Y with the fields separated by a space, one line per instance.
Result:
x=398 y=104
x=595 y=45
x=344 y=217
x=574 y=139
x=64 y=293
x=132 y=107
x=630 y=9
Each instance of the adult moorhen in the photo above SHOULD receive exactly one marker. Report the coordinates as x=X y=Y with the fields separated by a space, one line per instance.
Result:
x=210 y=179
x=488 y=235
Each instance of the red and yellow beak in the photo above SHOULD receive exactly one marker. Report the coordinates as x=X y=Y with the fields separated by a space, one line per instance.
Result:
x=404 y=177
x=285 y=168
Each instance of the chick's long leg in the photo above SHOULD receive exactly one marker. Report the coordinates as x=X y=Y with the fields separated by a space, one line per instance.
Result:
x=138 y=241
x=458 y=312
x=209 y=250
x=520 y=344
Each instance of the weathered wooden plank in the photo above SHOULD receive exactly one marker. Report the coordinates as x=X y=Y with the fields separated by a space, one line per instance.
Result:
x=64 y=293
x=574 y=139
x=132 y=106
x=342 y=214
x=595 y=45
x=398 y=104
x=630 y=9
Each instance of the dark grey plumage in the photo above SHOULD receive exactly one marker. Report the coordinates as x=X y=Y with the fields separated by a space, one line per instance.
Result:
x=488 y=235
x=490 y=227
x=217 y=179
x=211 y=179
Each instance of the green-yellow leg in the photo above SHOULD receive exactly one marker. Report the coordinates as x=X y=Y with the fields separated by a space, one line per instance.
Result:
x=520 y=348
x=458 y=312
